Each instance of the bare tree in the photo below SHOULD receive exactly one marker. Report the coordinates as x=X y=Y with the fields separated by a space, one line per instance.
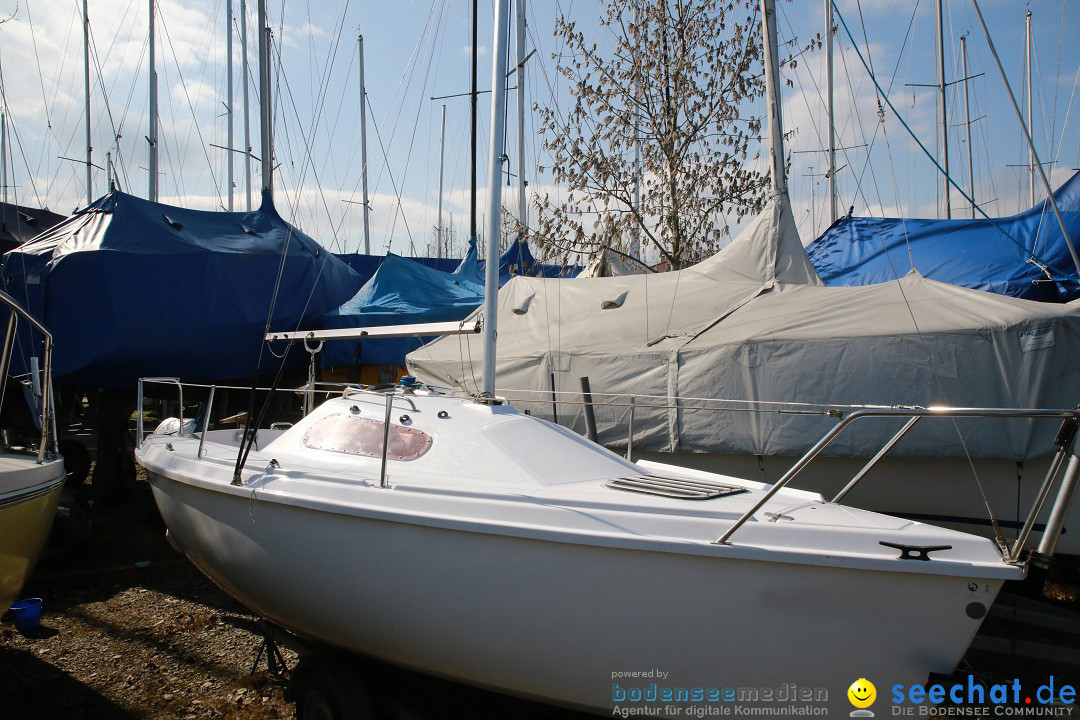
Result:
x=676 y=86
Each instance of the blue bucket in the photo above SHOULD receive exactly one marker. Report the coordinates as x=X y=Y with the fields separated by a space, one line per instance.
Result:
x=27 y=614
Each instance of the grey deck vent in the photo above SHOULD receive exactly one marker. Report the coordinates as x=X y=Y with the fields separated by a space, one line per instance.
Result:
x=677 y=488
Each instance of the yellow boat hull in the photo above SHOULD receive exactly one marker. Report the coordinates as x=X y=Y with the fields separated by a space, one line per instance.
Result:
x=29 y=493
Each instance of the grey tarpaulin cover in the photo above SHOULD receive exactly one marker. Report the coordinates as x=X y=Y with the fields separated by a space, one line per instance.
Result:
x=755 y=322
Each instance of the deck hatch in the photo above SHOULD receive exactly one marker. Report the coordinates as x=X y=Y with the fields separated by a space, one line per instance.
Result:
x=677 y=488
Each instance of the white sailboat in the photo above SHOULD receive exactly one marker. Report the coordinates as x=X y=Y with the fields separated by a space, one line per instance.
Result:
x=458 y=537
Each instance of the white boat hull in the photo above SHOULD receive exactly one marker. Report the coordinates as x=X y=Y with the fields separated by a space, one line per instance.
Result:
x=559 y=621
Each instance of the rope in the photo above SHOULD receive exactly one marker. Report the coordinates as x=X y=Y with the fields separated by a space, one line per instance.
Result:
x=933 y=160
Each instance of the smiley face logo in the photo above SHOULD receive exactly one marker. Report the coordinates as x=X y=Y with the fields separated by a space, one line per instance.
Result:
x=862 y=693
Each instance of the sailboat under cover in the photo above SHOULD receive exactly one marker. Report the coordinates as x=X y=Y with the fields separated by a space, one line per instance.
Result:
x=1023 y=255
x=132 y=288
x=756 y=325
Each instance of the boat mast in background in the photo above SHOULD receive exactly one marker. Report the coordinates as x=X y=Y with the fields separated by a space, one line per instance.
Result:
x=472 y=130
x=363 y=147
x=832 y=124
x=967 y=123
x=1030 y=95
x=245 y=83
x=3 y=155
x=772 y=97
x=151 y=138
x=1027 y=136
x=494 y=211
x=939 y=18
x=523 y=212
x=442 y=156
x=265 y=118
x=86 y=88
x=229 y=94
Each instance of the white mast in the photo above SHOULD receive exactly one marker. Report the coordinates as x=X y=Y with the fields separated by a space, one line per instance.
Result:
x=152 y=137
x=635 y=248
x=520 y=27
x=265 y=117
x=772 y=98
x=363 y=148
x=496 y=156
x=967 y=122
x=229 y=95
x=944 y=115
x=1030 y=95
x=86 y=87
x=442 y=155
x=832 y=125
x=245 y=83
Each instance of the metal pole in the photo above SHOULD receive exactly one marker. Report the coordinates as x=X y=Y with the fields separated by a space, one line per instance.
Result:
x=206 y=421
x=944 y=113
x=967 y=122
x=630 y=433
x=590 y=414
x=247 y=123
x=832 y=126
x=3 y=155
x=522 y=205
x=265 y=118
x=442 y=156
x=1027 y=136
x=1060 y=511
x=386 y=438
x=86 y=88
x=151 y=138
x=363 y=148
x=108 y=172
x=229 y=94
x=772 y=96
x=472 y=131
x=1030 y=95
x=498 y=128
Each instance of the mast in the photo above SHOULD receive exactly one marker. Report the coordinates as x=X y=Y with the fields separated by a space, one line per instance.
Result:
x=498 y=127
x=442 y=155
x=247 y=123
x=832 y=124
x=151 y=138
x=86 y=88
x=472 y=123
x=1030 y=94
x=520 y=27
x=108 y=171
x=772 y=97
x=967 y=122
x=944 y=114
x=229 y=94
x=363 y=147
x=3 y=157
x=265 y=118
x=1027 y=136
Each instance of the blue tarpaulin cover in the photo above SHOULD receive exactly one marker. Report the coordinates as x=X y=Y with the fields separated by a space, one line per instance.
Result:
x=515 y=260
x=406 y=291
x=131 y=288
x=1034 y=264
x=402 y=292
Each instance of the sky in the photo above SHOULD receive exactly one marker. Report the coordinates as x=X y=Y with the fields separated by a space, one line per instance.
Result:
x=416 y=50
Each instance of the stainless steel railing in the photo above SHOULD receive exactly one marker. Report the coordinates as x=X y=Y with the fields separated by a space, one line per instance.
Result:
x=46 y=415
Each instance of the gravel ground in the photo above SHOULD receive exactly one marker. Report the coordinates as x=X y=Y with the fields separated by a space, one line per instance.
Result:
x=130 y=629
